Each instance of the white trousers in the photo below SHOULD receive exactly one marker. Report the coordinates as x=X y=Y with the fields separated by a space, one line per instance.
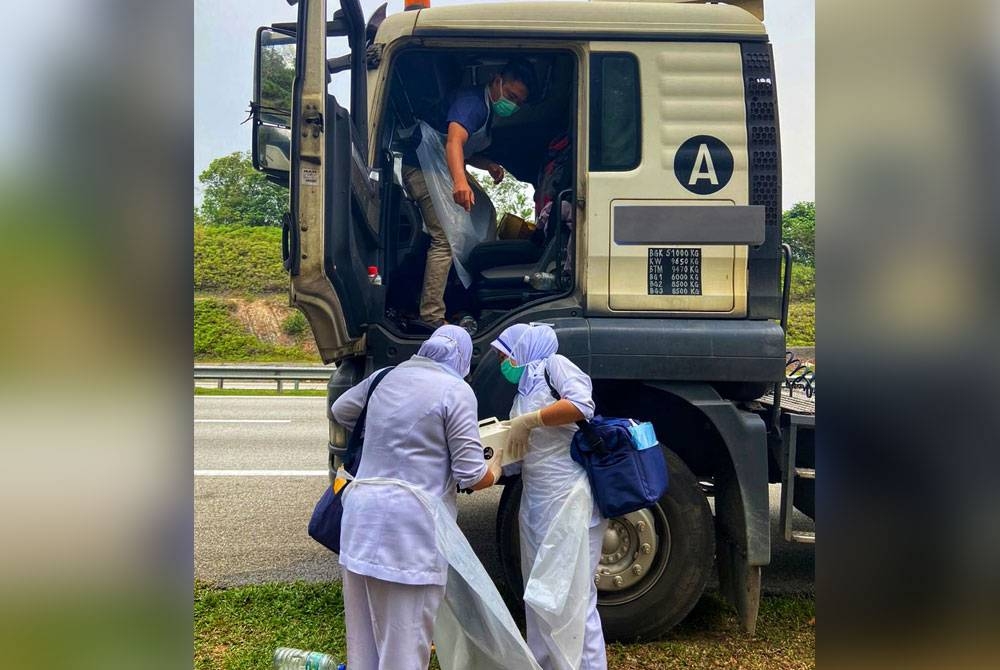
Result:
x=594 y=655
x=389 y=625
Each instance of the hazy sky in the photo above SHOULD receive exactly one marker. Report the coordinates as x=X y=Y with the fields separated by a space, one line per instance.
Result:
x=223 y=73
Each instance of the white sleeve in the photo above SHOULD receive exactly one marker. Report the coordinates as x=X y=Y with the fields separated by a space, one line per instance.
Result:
x=572 y=384
x=461 y=427
x=347 y=408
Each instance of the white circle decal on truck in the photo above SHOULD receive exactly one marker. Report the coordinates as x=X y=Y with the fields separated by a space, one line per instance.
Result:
x=703 y=164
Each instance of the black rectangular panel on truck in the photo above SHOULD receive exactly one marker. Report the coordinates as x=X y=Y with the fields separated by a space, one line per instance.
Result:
x=674 y=349
x=683 y=224
x=764 y=153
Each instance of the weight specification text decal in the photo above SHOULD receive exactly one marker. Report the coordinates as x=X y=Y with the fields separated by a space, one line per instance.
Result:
x=703 y=164
x=674 y=271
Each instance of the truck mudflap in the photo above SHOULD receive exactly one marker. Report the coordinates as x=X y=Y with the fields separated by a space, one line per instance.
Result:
x=742 y=513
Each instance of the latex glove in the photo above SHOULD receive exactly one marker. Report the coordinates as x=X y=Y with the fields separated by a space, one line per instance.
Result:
x=520 y=429
x=497 y=470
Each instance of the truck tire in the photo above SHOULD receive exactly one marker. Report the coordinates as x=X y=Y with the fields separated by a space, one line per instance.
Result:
x=681 y=535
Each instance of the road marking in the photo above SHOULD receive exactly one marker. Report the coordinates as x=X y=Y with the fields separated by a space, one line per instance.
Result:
x=242 y=420
x=259 y=397
x=261 y=473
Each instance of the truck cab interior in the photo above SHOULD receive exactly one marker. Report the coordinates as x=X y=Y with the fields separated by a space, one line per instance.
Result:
x=534 y=145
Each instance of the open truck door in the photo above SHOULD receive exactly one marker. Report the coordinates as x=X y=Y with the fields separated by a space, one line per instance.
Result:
x=330 y=235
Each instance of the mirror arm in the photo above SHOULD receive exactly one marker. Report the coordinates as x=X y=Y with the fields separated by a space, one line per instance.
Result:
x=335 y=28
x=339 y=64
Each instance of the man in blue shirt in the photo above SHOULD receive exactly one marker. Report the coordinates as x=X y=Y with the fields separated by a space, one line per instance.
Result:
x=463 y=120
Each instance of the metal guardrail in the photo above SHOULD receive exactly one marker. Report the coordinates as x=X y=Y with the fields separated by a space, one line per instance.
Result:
x=799 y=374
x=277 y=373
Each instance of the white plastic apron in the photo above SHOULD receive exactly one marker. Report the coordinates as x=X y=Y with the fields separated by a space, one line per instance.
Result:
x=464 y=229
x=473 y=628
x=556 y=513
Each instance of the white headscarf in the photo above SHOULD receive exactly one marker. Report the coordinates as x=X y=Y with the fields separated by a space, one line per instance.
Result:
x=450 y=347
x=508 y=338
x=535 y=345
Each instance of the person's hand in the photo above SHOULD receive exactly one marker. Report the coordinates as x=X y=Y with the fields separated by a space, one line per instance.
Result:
x=520 y=429
x=497 y=172
x=462 y=195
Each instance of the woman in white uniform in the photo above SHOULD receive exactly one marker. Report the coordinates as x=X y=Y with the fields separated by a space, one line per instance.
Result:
x=421 y=430
x=561 y=529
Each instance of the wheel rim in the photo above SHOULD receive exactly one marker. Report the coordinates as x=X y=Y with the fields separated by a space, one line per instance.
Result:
x=635 y=552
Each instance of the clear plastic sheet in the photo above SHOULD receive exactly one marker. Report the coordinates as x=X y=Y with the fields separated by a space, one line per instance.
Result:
x=557 y=509
x=473 y=629
x=464 y=229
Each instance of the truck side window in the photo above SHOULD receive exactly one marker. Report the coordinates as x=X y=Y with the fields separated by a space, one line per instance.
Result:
x=614 y=112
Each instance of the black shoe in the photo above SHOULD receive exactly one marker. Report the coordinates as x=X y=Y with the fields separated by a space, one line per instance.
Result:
x=418 y=326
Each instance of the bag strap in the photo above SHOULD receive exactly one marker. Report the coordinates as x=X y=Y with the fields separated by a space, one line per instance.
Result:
x=594 y=440
x=356 y=443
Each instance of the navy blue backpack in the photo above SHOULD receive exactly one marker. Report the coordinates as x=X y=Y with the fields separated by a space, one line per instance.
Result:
x=623 y=461
x=324 y=526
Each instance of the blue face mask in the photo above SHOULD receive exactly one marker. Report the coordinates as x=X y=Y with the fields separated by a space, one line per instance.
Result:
x=504 y=107
x=510 y=372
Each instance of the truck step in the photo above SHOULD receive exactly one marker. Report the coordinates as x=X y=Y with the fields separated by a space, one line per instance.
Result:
x=791 y=474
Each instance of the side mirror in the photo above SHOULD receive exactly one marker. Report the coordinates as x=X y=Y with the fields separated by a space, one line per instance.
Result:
x=274 y=72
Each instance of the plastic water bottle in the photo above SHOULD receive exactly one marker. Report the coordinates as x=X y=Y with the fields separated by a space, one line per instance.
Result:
x=286 y=658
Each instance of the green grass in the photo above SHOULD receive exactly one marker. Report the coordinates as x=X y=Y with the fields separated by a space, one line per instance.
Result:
x=218 y=336
x=239 y=628
x=711 y=638
x=241 y=259
x=200 y=390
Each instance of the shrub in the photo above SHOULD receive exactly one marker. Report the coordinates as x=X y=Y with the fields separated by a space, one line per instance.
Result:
x=219 y=336
x=295 y=324
x=803 y=283
x=801 y=324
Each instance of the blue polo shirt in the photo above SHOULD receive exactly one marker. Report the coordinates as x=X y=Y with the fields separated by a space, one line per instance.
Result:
x=465 y=106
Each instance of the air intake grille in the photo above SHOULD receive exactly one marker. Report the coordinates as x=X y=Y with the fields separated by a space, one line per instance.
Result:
x=764 y=299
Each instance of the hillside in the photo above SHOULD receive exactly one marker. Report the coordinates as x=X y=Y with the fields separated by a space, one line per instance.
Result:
x=241 y=311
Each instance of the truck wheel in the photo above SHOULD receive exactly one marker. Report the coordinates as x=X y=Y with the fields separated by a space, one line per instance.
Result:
x=655 y=562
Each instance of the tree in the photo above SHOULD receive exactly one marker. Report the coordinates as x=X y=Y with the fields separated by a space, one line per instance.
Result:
x=236 y=194
x=510 y=195
x=798 y=229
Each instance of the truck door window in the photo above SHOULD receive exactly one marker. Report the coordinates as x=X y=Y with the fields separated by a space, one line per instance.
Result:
x=614 y=112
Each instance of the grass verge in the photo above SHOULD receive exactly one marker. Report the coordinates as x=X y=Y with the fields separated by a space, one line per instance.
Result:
x=238 y=258
x=199 y=390
x=239 y=628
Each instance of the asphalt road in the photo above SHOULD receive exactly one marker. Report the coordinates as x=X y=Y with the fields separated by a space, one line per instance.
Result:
x=260 y=467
